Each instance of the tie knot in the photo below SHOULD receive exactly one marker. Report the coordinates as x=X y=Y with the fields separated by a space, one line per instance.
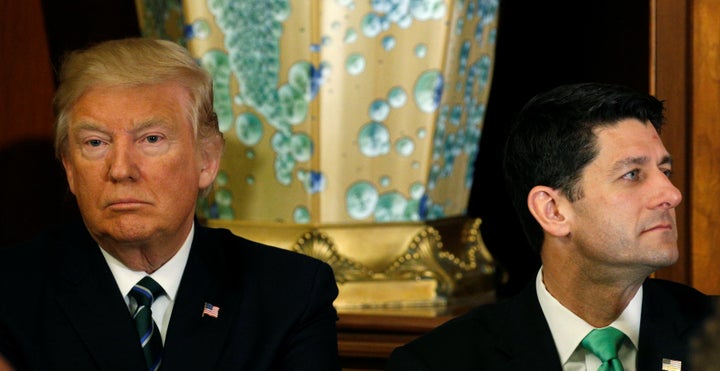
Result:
x=146 y=291
x=604 y=343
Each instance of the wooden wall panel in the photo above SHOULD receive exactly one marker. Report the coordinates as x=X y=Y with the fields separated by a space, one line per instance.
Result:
x=705 y=146
x=26 y=79
x=32 y=196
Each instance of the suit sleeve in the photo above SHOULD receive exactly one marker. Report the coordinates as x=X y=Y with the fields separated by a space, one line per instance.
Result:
x=313 y=344
x=402 y=359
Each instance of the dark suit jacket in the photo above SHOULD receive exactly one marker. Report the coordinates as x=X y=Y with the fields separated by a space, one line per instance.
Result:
x=514 y=335
x=60 y=308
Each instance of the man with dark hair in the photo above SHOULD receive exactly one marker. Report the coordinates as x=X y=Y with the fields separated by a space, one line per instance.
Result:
x=590 y=180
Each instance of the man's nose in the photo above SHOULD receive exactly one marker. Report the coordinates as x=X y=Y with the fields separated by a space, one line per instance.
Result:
x=668 y=196
x=122 y=162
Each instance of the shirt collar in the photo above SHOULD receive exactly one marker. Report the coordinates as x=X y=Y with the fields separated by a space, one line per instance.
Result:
x=568 y=329
x=168 y=276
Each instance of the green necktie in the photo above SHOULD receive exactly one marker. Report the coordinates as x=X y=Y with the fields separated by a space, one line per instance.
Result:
x=604 y=343
x=145 y=292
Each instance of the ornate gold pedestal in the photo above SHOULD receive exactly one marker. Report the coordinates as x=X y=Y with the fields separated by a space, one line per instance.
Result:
x=389 y=265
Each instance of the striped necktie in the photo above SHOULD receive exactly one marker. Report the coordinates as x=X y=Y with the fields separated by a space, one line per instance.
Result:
x=145 y=292
x=604 y=343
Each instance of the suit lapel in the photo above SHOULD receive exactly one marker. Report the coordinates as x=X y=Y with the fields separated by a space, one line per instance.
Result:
x=528 y=343
x=89 y=297
x=663 y=331
x=189 y=331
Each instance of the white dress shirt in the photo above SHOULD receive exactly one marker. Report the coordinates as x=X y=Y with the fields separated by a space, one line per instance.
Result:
x=568 y=330
x=168 y=276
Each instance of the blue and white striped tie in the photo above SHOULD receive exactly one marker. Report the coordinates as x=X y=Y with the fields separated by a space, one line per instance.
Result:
x=145 y=292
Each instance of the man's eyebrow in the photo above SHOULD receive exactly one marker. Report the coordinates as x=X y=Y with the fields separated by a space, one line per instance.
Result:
x=640 y=160
x=87 y=126
x=629 y=162
x=666 y=160
x=154 y=122
x=143 y=125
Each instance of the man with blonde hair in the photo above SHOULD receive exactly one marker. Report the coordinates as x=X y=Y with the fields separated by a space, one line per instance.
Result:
x=140 y=284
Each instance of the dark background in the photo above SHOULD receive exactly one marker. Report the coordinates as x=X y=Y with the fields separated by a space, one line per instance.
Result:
x=540 y=44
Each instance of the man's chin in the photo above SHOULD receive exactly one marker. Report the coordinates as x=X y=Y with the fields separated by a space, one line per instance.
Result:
x=666 y=257
x=124 y=234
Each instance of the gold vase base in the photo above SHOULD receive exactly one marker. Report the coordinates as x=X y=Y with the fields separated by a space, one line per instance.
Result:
x=418 y=267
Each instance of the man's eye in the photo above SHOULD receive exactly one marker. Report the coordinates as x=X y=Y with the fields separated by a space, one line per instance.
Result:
x=94 y=142
x=668 y=172
x=632 y=175
x=152 y=138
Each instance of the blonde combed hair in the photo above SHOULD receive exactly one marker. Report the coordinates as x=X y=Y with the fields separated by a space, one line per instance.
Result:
x=134 y=62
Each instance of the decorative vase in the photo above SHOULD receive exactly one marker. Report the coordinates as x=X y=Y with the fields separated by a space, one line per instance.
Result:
x=352 y=129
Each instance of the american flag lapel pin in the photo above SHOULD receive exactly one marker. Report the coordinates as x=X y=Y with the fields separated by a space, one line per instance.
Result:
x=671 y=365
x=210 y=310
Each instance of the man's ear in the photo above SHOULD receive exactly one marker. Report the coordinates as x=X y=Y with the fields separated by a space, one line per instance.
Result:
x=544 y=204
x=210 y=155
